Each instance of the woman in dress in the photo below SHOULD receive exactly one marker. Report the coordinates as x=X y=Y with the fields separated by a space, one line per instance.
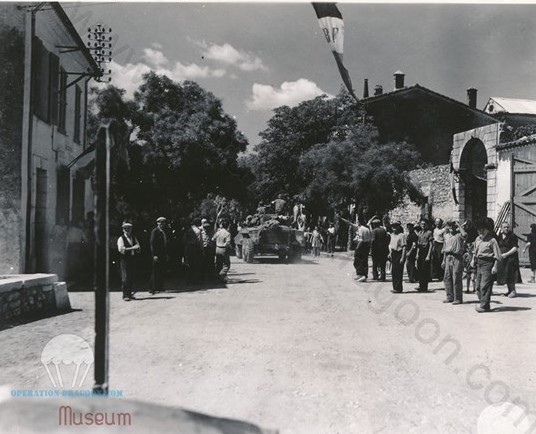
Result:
x=531 y=245
x=316 y=241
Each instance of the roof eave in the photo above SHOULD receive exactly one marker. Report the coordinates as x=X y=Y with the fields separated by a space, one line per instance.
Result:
x=446 y=98
x=75 y=35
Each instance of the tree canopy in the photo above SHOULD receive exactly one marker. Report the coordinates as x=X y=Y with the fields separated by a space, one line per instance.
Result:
x=321 y=152
x=181 y=145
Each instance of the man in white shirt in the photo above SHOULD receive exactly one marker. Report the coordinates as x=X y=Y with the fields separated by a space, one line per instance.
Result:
x=363 y=239
x=222 y=238
x=128 y=247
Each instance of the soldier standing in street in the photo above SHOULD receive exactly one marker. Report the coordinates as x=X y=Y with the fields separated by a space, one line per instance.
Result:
x=158 y=244
x=222 y=239
x=128 y=247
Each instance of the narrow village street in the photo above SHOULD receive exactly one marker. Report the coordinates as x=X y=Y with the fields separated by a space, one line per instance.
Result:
x=303 y=349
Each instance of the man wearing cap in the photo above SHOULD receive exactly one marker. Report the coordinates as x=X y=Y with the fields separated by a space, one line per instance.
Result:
x=208 y=249
x=158 y=244
x=128 y=247
x=193 y=252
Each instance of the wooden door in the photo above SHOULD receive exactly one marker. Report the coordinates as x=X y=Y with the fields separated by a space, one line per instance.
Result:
x=523 y=192
x=41 y=222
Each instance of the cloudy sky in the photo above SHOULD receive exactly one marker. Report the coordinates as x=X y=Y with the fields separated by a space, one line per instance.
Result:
x=256 y=57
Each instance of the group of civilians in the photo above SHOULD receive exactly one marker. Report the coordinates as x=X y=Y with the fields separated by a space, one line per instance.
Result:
x=206 y=253
x=315 y=240
x=442 y=251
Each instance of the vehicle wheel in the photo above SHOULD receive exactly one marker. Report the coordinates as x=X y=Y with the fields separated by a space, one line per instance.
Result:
x=248 y=253
x=238 y=251
x=294 y=255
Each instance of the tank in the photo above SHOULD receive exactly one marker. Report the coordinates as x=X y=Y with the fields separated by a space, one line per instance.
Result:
x=271 y=237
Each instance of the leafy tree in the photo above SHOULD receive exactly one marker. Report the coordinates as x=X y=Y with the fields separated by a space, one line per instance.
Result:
x=357 y=167
x=180 y=143
x=215 y=207
x=291 y=132
x=321 y=152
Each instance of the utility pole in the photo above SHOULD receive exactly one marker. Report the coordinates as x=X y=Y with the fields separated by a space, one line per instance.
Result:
x=100 y=44
x=102 y=258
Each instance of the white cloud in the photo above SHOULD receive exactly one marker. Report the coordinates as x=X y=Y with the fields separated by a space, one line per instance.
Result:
x=156 y=46
x=291 y=93
x=129 y=76
x=155 y=57
x=229 y=55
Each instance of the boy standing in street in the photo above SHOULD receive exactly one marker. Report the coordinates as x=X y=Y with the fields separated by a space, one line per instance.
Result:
x=453 y=250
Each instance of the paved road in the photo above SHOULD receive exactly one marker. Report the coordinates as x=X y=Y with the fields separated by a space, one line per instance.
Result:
x=304 y=349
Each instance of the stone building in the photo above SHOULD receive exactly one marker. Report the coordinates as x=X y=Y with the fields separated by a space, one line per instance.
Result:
x=434 y=184
x=516 y=112
x=423 y=117
x=46 y=68
x=496 y=177
x=470 y=150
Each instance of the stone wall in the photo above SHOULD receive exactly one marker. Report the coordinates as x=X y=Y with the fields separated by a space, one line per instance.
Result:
x=23 y=296
x=434 y=185
x=489 y=136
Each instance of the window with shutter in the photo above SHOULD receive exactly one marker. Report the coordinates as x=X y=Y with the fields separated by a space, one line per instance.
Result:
x=40 y=80
x=62 y=111
x=77 y=102
x=63 y=190
x=79 y=192
x=53 y=79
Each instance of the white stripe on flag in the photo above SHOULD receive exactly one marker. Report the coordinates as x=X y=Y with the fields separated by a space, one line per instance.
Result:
x=333 y=29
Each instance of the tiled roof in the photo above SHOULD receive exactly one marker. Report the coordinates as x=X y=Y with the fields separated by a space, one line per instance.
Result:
x=523 y=141
x=418 y=87
x=511 y=105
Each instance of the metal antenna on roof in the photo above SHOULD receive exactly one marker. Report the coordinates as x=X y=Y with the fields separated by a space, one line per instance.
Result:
x=100 y=44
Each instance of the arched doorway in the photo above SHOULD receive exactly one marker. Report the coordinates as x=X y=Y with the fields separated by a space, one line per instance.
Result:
x=473 y=173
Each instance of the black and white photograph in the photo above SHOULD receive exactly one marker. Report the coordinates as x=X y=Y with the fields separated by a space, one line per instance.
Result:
x=267 y=217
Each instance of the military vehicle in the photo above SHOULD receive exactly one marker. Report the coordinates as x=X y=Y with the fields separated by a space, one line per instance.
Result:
x=270 y=236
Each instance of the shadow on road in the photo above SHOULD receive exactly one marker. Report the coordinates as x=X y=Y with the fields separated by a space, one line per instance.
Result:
x=430 y=291
x=153 y=298
x=276 y=261
x=478 y=302
x=525 y=295
x=510 y=309
x=233 y=281
x=32 y=318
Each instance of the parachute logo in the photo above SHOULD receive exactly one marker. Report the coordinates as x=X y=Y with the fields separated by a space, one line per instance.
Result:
x=503 y=418
x=64 y=354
